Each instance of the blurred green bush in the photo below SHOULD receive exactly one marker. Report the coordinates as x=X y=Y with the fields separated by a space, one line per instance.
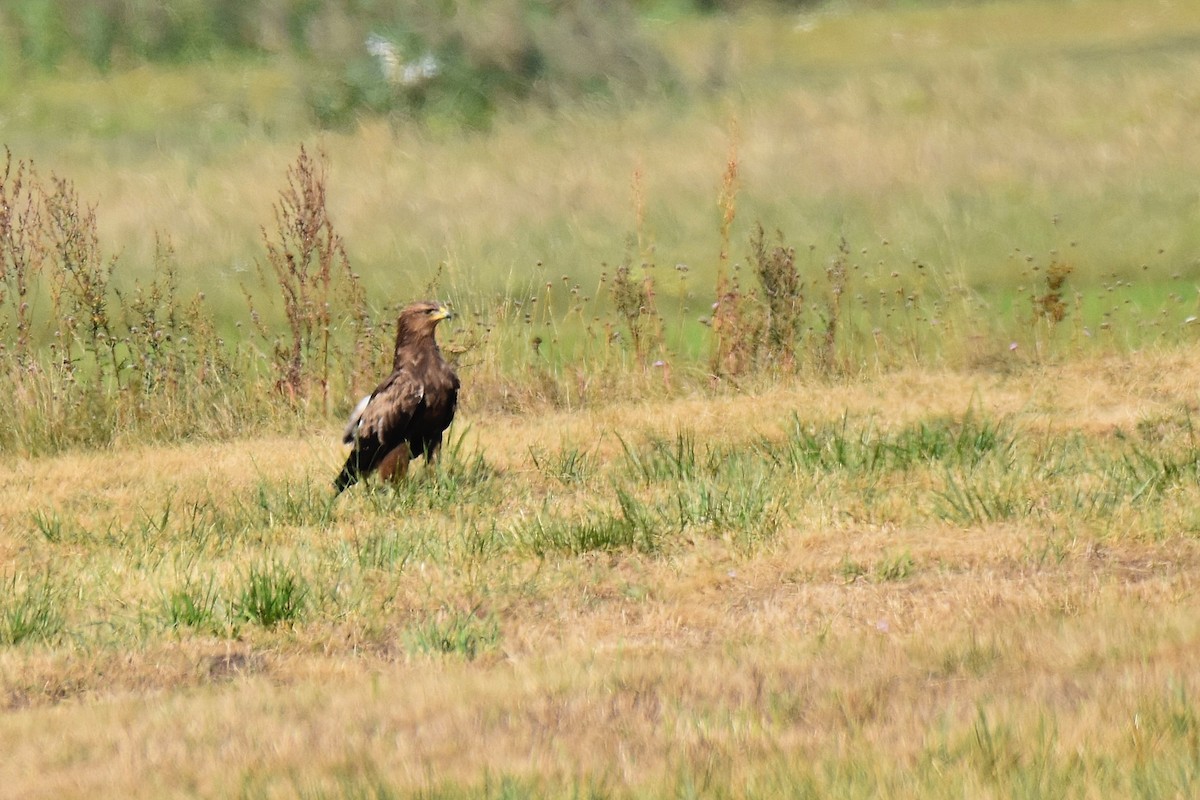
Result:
x=454 y=62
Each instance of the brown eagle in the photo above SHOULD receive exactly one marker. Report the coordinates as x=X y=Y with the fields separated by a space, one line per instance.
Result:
x=406 y=414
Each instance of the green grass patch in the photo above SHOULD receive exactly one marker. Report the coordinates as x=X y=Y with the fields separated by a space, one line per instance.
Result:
x=271 y=594
x=31 y=609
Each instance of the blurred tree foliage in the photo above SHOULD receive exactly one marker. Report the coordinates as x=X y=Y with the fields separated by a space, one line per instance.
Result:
x=449 y=60
x=719 y=6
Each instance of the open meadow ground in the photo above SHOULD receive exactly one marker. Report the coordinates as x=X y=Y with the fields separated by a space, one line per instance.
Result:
x=926 y=584
x=827 y=427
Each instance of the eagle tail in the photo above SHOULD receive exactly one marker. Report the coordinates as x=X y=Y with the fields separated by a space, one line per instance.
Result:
x=349 y=475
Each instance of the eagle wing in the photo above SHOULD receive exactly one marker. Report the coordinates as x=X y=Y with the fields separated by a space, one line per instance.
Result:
x=351 y=431
x=387 y=412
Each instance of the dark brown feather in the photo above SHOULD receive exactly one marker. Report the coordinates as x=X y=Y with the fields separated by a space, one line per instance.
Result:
x=412 y=407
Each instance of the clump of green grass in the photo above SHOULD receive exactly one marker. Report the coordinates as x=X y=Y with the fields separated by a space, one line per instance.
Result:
x=663 y=490
x=569 y=466
x=31 y=609
x=997 y=752
x=975 y=657
x=668 y=459
x=1147 y=474
x=386 y=550
x=985 y=497
x=291 y=504
x=742 y=502
x=896 y=566
x=630 y=528
x=964 y=442
x=49 y=524
x=891 y=567
x=851 y=569
x=272 y=594
x=194 y=604
x=458 y=632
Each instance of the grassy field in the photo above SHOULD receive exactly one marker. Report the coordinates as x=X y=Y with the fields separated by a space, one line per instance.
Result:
x=941 y=544
x=930 y=169
x=966 y=138
x=935 y=584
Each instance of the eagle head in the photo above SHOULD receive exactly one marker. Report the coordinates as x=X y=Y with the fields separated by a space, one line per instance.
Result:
x=415 y=326
x=425 y=313
x=419 y=319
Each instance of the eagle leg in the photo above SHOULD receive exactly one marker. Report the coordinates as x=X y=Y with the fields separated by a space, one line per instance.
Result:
x=430 y=448
x=394 y=465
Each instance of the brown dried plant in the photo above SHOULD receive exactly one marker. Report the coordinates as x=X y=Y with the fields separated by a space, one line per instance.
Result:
x=22 y=252
x=309 y=265
x=632 y=300
x=732 y=349
x=775 y=268
x=838 y=275
x=634 y=296
x=1050 y=305
x=79 y=286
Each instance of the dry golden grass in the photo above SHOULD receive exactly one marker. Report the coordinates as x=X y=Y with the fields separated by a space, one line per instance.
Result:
x=867 y=646
x=640 y=589
x=1095 y=396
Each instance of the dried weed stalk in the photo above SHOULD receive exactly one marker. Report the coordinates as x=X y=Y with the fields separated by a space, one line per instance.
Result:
x=838 y=275
x=733 y=349
x=86 y=348
x=633 y=298
x=309 y=265
x=775 y=268
x=1050 y=306
x=169 y=344
x=22 y=253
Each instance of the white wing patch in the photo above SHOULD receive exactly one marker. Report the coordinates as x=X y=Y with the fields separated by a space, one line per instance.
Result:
x=351 y=432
